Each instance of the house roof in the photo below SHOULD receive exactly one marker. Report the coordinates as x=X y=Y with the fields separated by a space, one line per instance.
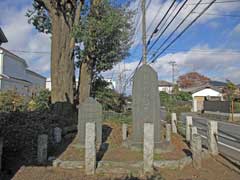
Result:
x=217 y=83
x=199 y=88
x=164 y=83
x=36 y=74
x=3 y=38
x=14 y=55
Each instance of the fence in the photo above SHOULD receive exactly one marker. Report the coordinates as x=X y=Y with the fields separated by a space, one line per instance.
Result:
x=227 y=141
x=221 y=106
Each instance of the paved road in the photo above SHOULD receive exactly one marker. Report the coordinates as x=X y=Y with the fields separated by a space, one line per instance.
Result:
x=229 y=136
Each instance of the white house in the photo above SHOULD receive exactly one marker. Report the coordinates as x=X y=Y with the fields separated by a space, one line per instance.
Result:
x=202 y=93
x=165 y=86
x=14 y=75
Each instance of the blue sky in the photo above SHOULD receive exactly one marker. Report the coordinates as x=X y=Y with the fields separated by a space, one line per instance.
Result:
x=211 y=46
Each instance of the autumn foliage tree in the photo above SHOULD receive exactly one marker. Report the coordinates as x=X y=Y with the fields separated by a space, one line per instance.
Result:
x=192 y=79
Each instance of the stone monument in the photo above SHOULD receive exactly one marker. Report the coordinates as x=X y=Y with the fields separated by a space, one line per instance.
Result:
x=146 y=105
x=89 y=111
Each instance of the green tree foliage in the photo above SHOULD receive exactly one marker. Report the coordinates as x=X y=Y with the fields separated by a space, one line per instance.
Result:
x=41 y=101
x=109 y=98
x=105 y=33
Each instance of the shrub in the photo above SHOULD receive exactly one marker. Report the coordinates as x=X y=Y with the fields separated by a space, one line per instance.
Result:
x=11 y=101
x=40 y=102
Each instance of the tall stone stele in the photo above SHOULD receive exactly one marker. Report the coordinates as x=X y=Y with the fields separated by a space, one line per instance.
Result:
x=89 y=111
x=146 y=105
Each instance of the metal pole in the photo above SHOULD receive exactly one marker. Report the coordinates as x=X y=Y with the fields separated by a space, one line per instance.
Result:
x=144 y=36
x=173 y=63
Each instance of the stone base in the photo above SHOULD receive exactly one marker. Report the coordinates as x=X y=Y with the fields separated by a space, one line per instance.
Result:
x=162 y=147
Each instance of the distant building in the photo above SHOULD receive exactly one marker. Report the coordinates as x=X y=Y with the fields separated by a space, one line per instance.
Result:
x=202 y=93
x=112 y=84
x=15 y=75
x=3 y=38
x=165 y=86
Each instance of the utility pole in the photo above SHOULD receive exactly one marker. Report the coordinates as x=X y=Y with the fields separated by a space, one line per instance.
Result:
x=173 y=64
x=144 y=35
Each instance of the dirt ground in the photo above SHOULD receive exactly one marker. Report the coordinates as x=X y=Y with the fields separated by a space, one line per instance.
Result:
x=212 y=169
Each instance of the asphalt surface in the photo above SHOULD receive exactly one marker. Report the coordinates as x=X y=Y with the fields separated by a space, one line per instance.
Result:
x=228 y=135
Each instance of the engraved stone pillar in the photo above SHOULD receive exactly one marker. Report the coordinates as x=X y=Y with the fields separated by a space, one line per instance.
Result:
x=42 y=148
x=196 y=151
x=148 y=150
x=188 y=126
x=57 y=134
x=146 y=105
x=1 y=152
x=212 y=137
x=89 y=111
x=174 y=123
x=193 y=131
x=168 y=132
x=124 y=132
x=90 y=148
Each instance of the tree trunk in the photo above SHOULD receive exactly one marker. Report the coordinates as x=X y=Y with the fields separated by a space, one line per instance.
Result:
x=85 y=81
x=62 y=64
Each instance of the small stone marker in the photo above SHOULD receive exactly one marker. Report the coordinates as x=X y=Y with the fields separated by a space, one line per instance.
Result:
x=1 y=151
x=145 y=105
x=188 y=126
x=212 y=137
x=193 y=131
x=42 y=148
x=168 y=132
x=148 y=149
x=197 y=151
x=57 y=133
x=90 y=148
x=89 y=111
x=124 y=132
x=174 y=123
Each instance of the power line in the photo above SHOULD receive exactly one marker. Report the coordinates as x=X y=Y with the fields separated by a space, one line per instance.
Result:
x=155 y=17
x=160 y=22
x=178 y=26
x=168 y=25
x=217 y=2
x=223 y=15
x=31 y=52
x=170 y=15
x=204 y=10
x=149 y=2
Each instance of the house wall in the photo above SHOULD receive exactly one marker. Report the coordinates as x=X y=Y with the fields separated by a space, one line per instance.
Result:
x=38 y=82
x=165 y=89
x=207 y=92
x=15 y=71
x=15 y=76
x=13 y=67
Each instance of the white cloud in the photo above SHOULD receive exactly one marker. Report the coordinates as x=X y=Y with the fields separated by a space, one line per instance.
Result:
x=237 y=29
x=218 y=64
x=23 y=36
